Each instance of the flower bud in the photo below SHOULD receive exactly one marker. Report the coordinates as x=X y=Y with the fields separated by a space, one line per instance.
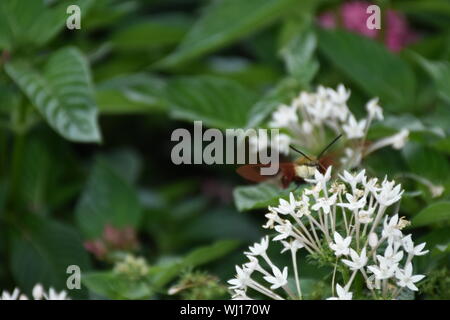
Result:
x=373 y=240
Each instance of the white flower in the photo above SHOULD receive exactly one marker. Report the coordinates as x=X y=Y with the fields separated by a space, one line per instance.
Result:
x=365 y=216
x=391 y=255
x=281 y=143
x=383 y=271
x=409 y=247
x=320 y=179
x=259 y=248
x=389 y=194
x=287 y=207
x=354 y=129
x=292 y=245
x=342 y=294
x=390 y=229
x=353 y=180
x=284 y=116
x=252 y=265
x=241 y=280
x=10 y=296
x=340 y=96
x=54 y=295
x=278 y=279
x=284 y=230
x=325 y=204
x=353 y=202
x=374 y=109
x=38 y=294
x=340 y=245
x=406 y=279
x=358 y=261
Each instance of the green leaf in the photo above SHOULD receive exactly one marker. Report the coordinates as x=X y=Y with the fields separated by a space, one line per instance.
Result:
x=42 y=250
x=427 y=162
x=163 y=274
x=24 y=22
x=435 y=214
x=371 y=66
x=298 y=56
x=440 y=73
x=284 y=91
x=259 y=196
x=62 y=93
x=107 y=199
x=157 y=31
x=115 y=286
x=133 y=93
x=218 y=102
x=226 y=21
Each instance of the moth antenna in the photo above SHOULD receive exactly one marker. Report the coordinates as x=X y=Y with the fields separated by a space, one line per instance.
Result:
x=300 y=153
x=329 y=145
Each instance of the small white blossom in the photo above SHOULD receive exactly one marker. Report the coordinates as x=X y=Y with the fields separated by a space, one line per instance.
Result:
x=278 y=279
x=340 y=245
x=409 y=247
x=391 y=229
x=320 y=179
x=325 y=204
x=353 y=180
x=354 y=129
x=353 y=202
x=292 y=245
x=389 y=193
x=284 y=116
x=259 y=248
x=342 y=294
x=374 y=109
x=284 y=230
x=407 y=279
x=358 y=261
x=241 y=280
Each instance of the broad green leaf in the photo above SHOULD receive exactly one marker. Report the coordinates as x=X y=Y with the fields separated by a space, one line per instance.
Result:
x=151 y=33
x=435 y=214
x=134 y=93
x=24 y=22
x=226 y=21
x=42 y=250
x=163 y=274
x=440 y=73
x=62 y=93
x=283 y=92
x=259 y=196
x=420 y=6
x=298 y=44
x=218 y=102
x=107 y=199
x=372 y=67
x=114 y=286
x=427 y=162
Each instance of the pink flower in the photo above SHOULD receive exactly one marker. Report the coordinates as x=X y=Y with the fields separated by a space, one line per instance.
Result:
x=398 y=33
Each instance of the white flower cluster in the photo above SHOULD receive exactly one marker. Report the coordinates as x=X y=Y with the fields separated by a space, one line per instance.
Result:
x=346 y=224
x=38 y=294
x=309 y=114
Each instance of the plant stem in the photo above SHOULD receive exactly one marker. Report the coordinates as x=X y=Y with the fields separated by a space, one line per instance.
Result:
x=297 y=280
